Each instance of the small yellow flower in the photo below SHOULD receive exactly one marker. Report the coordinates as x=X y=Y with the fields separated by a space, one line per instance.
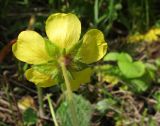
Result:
x=151 y=36
x=63 y=32
x=135 y=38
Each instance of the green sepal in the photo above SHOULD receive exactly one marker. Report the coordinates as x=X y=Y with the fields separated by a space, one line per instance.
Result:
x=49 y=68
x=52 y=49
x=77 y=65
x=58 y=77
x=63 y=51
x=73 y=51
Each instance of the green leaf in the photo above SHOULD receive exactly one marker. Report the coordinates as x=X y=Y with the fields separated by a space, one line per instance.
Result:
x=112 y=56
x=158 y=62
x=150 y=66
x=124 y=57
x=83 y=111
x=157 y=98
x=3 y=124
x=131 y=70
x=105 y=104
x=108 y=69
x=151 y=70
x=152 y=122
x=30 y=117
x=138 y=85
x=52 y=49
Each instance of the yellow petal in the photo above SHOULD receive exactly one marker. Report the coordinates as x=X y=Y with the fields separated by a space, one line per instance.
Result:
x=80 y=77
x=135 y=38
x=150 y=36
x=94 y=46
x=113 y=80
x=26 y=102
x=40 y=79
x=63 y=29
x=157 y=31
x=30 y=48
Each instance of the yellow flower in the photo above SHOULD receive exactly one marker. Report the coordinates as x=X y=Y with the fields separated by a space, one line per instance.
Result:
x=135 y=38
x=63 y=32
x=151 y=36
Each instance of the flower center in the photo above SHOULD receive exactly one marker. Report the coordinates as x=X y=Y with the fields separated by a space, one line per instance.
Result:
x=66 y=60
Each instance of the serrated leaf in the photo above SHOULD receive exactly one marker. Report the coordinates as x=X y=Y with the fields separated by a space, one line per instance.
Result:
x=139 y=85
x=83 y=112
x=151 y=73
x=157 y=98
x=105 y=104
x=30 y=117
x=131 y=70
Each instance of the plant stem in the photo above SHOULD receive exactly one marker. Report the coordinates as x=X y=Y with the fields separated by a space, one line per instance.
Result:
x=40 y=101
x=96 y=7
x=72 y=108
x=147 y=14
x=52 y=110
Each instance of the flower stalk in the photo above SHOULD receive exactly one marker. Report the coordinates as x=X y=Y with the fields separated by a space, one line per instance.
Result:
x=69 y=98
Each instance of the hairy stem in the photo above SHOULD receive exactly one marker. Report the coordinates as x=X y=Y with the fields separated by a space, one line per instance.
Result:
x=40 y=101
x=69 y=96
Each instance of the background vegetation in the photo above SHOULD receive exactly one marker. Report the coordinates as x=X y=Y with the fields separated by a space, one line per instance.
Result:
x=125 y=88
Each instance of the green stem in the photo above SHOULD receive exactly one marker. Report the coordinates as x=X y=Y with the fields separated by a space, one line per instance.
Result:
x=69 y=91
x=52 y=110
x=96 y=12
x=40 y=101
x=70 y=96
x=147 y=14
